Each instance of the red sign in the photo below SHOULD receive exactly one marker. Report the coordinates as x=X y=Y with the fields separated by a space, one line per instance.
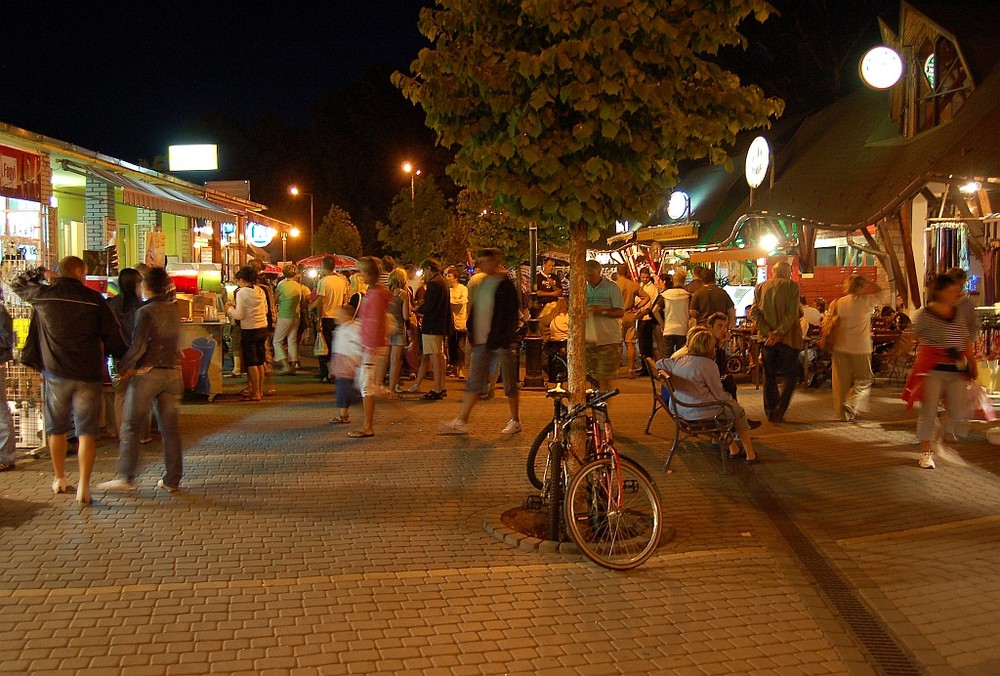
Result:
x=20 y=174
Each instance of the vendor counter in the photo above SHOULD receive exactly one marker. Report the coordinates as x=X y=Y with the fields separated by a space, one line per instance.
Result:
x=201 y=356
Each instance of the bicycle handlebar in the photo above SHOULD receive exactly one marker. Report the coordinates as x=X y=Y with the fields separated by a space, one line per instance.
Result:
x=593 y=403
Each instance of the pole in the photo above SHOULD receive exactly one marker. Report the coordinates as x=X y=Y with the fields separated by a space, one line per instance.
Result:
x=312 y=232
x=412 y=192
x=533 y=376
x=284 y=241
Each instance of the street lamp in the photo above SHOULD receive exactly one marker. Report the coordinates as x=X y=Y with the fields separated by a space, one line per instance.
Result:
x=408 y=169
x=294 y=232
x=295 y=192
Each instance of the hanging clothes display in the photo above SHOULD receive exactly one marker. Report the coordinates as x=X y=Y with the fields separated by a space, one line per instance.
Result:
x=947 y=246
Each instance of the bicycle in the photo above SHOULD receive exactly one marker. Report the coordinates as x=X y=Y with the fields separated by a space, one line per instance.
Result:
x=609 y=506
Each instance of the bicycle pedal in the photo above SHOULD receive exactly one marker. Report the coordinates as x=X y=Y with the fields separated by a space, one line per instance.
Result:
x=534 y=503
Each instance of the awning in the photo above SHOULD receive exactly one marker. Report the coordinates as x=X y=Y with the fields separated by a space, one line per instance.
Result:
x=728 y=254
x=139 y=193
x=255 y=217
x=171 y=201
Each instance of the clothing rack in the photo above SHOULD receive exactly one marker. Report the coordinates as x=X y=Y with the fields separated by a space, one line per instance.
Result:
x=946 y=246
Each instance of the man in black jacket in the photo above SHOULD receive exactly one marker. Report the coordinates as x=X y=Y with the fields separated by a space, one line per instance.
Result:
x=492 y=326
x=436 y=311
x=71 y=332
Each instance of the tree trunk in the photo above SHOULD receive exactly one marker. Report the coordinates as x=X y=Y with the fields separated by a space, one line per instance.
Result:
x=576 y=341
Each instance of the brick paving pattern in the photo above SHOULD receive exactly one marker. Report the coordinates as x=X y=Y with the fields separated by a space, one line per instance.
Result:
x=294 y=549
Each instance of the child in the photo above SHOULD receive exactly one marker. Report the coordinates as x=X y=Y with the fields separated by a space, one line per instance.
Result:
x=345 y=358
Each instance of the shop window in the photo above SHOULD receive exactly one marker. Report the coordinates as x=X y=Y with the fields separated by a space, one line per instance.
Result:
x=827 y=256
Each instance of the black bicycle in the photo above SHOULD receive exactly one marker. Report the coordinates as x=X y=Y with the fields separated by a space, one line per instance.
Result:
x=607 y=503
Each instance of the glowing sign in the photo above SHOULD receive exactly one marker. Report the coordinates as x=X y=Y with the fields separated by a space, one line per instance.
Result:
x=758 y=160
x=679 y=205
x=881 y=67
x=193 y=157
x=259 y=235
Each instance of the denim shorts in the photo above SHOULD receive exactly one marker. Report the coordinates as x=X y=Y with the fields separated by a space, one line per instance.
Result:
x=72 y=404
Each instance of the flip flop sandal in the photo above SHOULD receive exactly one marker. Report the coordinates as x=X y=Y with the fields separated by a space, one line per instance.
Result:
x=360 y=435
x=339 y=420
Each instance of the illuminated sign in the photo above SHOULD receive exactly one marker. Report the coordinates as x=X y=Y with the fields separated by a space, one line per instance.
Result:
x=758 y=160
x=193 y=157
x=259 y=235
x=881 y=67
x=679 y=205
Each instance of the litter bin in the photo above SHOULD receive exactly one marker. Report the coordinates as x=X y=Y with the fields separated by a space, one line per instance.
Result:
x=190 y=367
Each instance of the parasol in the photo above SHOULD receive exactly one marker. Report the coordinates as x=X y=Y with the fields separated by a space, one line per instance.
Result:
x=316 y=261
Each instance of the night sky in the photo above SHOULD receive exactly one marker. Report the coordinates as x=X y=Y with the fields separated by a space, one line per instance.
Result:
x=124 y=78
x=121 y=78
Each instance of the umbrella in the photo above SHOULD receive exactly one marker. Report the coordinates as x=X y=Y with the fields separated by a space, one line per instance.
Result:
x=271 y=269
x=343 y=262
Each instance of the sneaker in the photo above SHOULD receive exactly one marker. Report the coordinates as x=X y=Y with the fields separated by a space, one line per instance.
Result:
x=512 y=427
x=59 y=485
x=7 y=467
x=166 y=487
x=927 y=460
x=116 y=486
x=455 y=426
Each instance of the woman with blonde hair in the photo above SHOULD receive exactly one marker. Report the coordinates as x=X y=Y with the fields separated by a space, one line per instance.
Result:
x=852 y=350
x=696 y=380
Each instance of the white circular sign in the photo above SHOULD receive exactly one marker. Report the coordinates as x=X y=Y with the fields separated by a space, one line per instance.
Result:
x=881 y=67
x=678 y=205
x=758 y=160
x=259 y=235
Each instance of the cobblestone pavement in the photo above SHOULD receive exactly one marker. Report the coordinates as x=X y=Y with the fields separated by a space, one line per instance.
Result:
x=294 y=549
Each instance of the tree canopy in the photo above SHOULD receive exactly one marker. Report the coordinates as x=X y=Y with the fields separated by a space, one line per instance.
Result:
x=338 y=234
x=419 y=226
x=579 y=111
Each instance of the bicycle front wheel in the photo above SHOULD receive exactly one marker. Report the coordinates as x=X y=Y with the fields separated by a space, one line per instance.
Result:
x=613 y=513
x=538 y=456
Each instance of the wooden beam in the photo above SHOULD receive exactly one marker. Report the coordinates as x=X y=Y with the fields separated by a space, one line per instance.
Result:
x=904 y=223
x=902 y=287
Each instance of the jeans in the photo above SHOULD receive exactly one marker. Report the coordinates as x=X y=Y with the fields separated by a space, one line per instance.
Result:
x=781 y=366
x=162 y=389
x=327 y=325
x=8 y=438
x=287 y=331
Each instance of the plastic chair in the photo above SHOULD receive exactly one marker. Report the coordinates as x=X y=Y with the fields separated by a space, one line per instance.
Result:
x=721 y=427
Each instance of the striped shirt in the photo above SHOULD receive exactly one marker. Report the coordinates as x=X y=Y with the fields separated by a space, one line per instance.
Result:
x=936 y=331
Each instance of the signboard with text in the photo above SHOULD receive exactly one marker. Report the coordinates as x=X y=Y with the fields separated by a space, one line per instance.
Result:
x=20 y=174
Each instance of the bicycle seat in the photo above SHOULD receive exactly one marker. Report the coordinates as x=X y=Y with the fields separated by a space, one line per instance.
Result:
x=557 y=392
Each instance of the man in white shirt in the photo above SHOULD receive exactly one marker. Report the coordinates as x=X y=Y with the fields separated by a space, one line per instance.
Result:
x=331 y=294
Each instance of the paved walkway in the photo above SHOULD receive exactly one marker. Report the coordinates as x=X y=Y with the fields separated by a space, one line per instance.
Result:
x=296 y=550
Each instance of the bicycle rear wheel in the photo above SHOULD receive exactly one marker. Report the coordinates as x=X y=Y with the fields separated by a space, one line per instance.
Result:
x=613 y=513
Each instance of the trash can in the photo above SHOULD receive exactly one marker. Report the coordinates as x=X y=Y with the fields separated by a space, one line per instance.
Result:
x=190 y=367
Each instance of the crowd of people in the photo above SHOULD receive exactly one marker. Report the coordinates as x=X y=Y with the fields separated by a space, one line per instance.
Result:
x=387 y=322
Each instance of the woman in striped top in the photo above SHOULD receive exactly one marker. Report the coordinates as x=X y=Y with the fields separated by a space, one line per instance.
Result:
x=944 y=366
